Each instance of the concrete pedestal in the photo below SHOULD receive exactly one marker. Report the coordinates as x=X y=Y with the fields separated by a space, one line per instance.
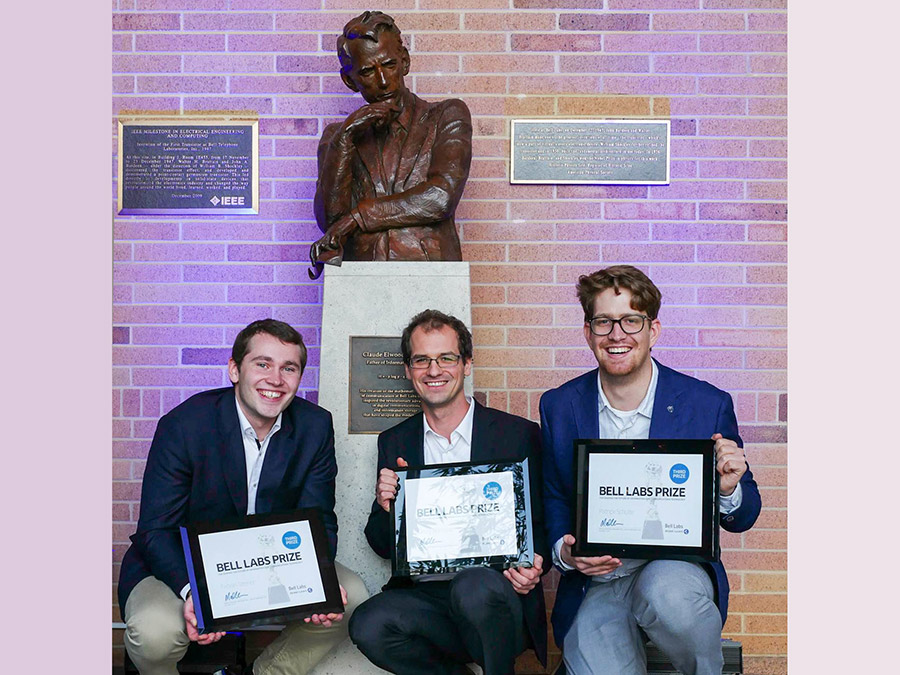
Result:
x=371 y=298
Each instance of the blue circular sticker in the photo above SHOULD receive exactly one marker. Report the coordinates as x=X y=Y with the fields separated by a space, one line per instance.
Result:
x=492 y=490
x=679 y=473
x=290 y=539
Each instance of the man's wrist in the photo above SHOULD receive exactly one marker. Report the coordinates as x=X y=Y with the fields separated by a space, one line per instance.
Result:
x=557 y=557
x=732 y=502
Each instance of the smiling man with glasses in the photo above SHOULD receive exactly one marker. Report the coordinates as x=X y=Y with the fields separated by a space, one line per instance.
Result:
x=433 y=626
x=606 y=607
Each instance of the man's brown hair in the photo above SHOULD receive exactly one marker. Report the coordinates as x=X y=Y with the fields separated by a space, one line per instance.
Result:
x=432 y=319
x=645 y=296
x=278 y=329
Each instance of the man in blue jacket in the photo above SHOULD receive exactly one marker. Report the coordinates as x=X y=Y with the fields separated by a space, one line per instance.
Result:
x=251 y=448
x=605 y=606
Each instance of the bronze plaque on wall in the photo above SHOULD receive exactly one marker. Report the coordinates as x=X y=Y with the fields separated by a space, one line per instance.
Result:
x=380 y=394
x=188 y=165
x=589 y=151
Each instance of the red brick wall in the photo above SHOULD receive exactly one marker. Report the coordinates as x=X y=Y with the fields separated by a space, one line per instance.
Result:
x=714 y=240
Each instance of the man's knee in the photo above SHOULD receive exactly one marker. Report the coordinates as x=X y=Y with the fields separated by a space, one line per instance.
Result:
x=476 y=591
x=357 y=593
x=156 y=633
x=368 y=623
x=674 y=593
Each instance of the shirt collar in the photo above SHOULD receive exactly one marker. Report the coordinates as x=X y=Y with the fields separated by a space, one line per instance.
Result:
x=463 y=430
x=247 y=429
x=646 y=406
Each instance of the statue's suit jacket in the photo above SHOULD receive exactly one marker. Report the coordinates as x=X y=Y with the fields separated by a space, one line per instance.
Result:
x=496 y=436
x=407 y=213
x=684 y=407
x=196 y=471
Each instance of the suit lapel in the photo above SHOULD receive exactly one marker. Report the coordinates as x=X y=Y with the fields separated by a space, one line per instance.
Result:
x=484 y=441
x=234 y=462
x=420 y=135
x=668 y=413
x=369 y=154
x=585 y=407
x=275 y=466
x=413 y=438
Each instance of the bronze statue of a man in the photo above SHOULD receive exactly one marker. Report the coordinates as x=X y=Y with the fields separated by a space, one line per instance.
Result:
x=391 y=174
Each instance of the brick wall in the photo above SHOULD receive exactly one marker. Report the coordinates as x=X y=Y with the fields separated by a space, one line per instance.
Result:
x=714 y=240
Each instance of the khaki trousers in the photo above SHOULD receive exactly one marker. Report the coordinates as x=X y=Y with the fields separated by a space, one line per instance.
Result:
x=156 y=640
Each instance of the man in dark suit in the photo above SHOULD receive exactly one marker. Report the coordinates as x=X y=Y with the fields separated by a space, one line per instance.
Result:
x=391 y=174
x=432 y=627
x=252 y=448
x=604 y=606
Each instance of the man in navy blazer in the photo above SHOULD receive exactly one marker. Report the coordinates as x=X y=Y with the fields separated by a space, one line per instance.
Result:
x=605 y=606
x=431 y=627
x=252 y=448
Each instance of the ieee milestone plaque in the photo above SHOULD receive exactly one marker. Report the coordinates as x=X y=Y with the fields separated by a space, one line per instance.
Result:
x=599 y=152
x=453 y=516
x=260 y=569
x=380 y=394
x=195 y=166
x=647 y=499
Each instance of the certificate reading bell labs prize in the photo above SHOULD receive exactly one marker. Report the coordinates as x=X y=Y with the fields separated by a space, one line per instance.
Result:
x=647 y=499
x=260 y=569
x=453 y=516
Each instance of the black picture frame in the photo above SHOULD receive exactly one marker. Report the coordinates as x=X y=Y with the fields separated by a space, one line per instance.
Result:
x=709 y=550
x=194 y=556
x=401 y=566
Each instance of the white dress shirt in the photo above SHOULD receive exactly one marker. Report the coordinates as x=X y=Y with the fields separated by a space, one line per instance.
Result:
x=255 y=453
x=439 y=450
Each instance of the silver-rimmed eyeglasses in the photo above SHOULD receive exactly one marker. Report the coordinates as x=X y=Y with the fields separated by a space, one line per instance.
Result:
x=630 y=324
x=444 y=361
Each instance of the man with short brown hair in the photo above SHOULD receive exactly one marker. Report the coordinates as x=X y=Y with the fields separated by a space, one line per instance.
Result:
x=605 y=607
x=252 y=448
x=435 y=627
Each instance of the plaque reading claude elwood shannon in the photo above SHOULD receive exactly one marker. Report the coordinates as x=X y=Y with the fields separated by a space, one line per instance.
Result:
x=380 y=394
x=590 y=151
x=196 y=166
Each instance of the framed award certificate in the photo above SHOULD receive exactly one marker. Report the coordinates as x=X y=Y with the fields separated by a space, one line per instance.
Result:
x=453 y=516
x=647 y=499
x=260 y=569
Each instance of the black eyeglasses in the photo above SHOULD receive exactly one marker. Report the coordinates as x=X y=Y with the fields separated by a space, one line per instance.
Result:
x=630 y=324
x=444 y=361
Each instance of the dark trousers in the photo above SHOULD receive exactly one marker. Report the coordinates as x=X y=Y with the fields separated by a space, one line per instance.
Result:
x=436 y=627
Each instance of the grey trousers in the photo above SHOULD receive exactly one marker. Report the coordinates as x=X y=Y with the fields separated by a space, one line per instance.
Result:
x=671 y=600
x=156 y=640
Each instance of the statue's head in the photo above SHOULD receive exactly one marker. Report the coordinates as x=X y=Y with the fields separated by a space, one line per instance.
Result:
x=373 y=58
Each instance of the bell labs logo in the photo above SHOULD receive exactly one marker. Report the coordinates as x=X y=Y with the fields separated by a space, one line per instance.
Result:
x=492 y=490
x=227 y=201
